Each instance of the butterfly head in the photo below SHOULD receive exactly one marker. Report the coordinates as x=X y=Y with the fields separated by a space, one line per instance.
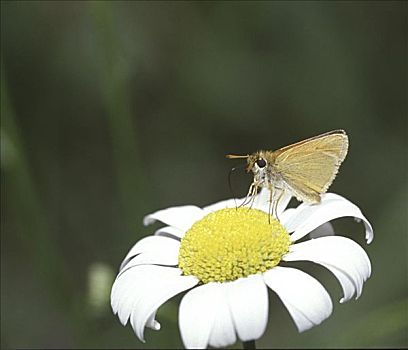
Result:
x=256 y=162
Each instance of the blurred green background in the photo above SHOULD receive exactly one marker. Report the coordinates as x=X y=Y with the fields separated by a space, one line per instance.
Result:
x=112 y=110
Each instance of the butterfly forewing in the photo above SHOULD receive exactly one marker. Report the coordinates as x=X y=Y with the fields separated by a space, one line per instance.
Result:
x=309 y=167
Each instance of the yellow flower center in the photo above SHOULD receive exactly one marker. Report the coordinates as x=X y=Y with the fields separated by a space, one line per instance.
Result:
x=232 y=243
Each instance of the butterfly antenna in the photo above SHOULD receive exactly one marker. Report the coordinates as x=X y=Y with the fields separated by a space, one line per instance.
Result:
x=235 y=156
x=230 y=183
x=230 y=186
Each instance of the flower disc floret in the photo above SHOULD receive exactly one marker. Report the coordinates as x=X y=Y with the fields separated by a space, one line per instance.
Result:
x=232 y=243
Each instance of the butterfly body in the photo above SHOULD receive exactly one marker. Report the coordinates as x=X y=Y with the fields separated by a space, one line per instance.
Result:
x=269 y=175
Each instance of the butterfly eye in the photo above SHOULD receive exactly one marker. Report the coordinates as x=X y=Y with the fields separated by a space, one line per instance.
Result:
x=261 y=162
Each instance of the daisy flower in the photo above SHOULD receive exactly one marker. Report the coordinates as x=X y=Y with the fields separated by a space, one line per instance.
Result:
x=227 y=259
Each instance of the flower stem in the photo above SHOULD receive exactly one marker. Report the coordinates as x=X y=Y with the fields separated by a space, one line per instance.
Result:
x=249 y=344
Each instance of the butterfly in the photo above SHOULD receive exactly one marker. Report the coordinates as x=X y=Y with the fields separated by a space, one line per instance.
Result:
x=305 y=169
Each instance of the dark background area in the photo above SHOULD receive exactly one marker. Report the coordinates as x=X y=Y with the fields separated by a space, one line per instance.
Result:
x=112 y=110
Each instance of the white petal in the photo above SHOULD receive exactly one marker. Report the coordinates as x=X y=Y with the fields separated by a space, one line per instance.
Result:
x=126 y=288
x=181 y=217
x=164 y=248
x=196 y=316
x=152 y=323
x=138 y=293
x=342 y=256
x=223 y=331
x=323 y=230
x=307 y=217
x=205 y=319
x=248 y=301
x=170 y=231
x=262 y=200
x=228 y=203
x=155 y=296
x=283 y=203
x=286 y=216
x=305 y=298
x=164 y=257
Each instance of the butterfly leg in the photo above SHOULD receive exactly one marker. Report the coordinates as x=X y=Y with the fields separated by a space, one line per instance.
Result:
x=248 y=196
x=270 y=211
x=276 y=203
x=253 y=194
